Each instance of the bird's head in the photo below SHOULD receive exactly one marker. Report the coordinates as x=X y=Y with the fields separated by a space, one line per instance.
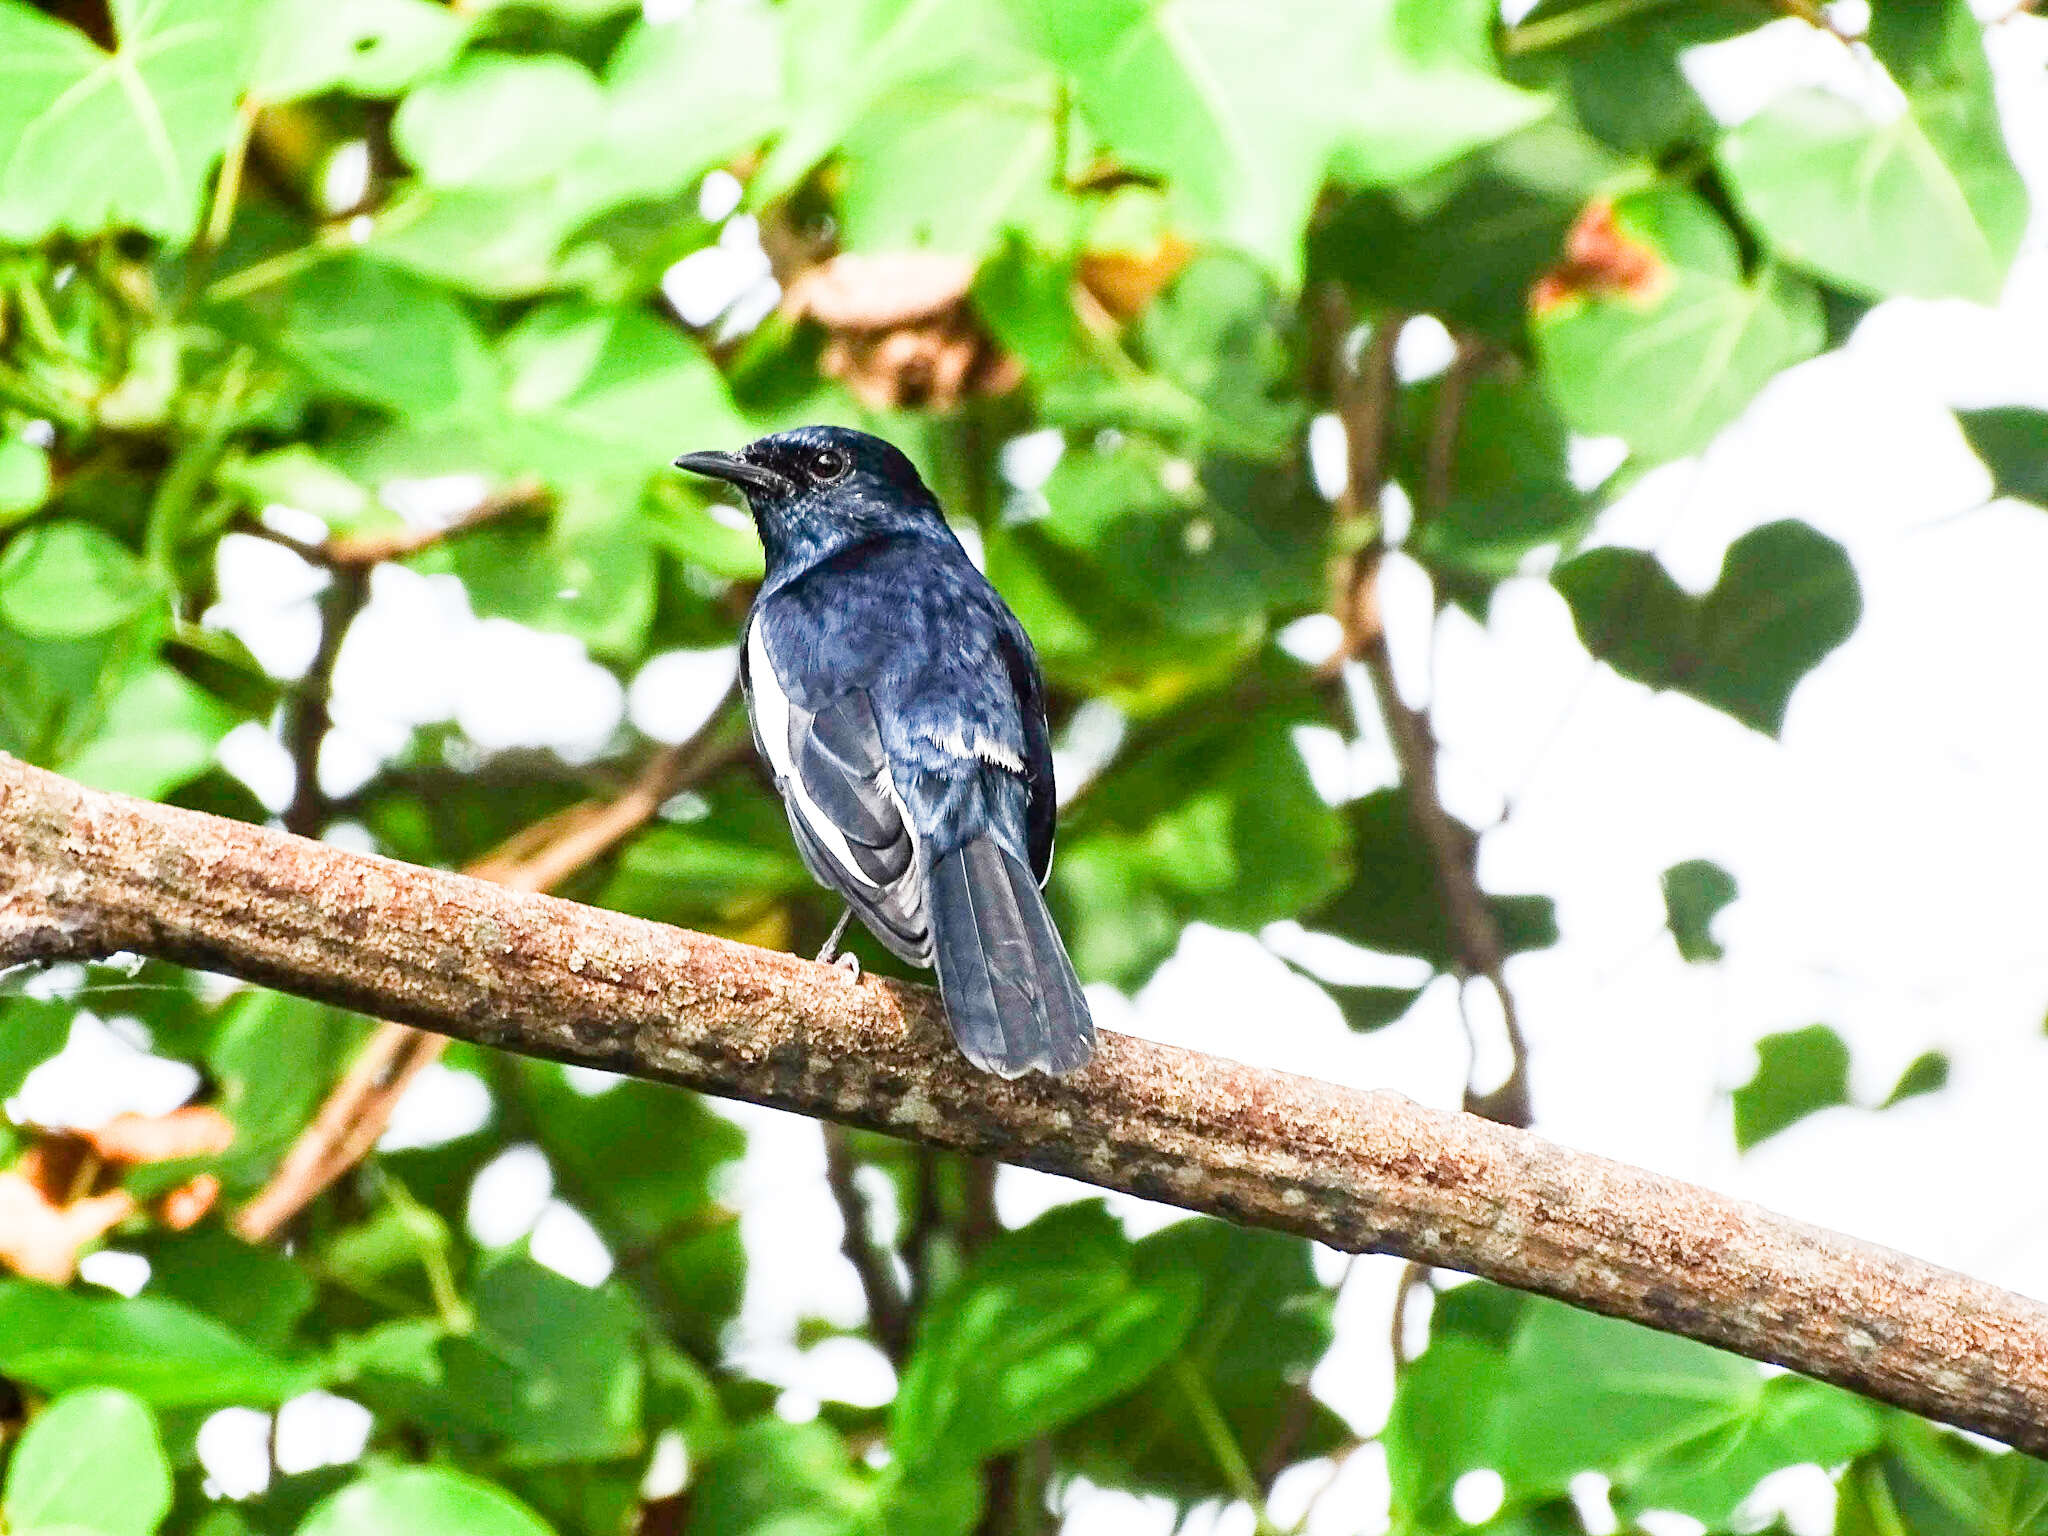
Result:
x=814 y=489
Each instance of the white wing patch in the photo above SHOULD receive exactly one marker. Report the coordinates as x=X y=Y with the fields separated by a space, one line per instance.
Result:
x=980 y=745
x=771 y=714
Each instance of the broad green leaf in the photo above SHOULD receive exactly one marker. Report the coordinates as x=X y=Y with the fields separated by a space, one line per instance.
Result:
x=91 y=1461
x=1668 y=342
x=160 y=732
x=24 y=478
x=1049 y=1321
x=1393 y=903
x=1925 y=1073
x=66 y=580
x=422 y=1501
x=164 y=1353
x=552 y=1371
x=1934 y=1483
x=1797 y=1074
x=499 y=120
x=370 y=47
x=1262 y=1322
x=32 y=1030
x=1789 y=1422
x=1694 y=894
x=1786 y=597
x=92 y=141
x=1927 y=204
x=299 y=478
x=1445 y=1399
x=270 y=1093
x=1215 y=820
x=1247 y=118
x=367 y=331
x=2012 y=441
x=779 y=1479
x=259 y=1292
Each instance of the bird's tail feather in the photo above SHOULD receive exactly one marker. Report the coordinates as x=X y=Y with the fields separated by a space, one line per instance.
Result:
x=1011 y=994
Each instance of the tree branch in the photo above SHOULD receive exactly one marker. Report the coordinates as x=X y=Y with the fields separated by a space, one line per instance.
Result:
x=887 y=1311
x=84 y=874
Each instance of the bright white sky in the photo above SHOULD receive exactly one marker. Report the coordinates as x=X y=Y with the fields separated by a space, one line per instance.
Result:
x=1891 y=850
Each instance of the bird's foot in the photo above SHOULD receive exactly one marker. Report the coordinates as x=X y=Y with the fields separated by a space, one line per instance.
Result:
x=849 y=963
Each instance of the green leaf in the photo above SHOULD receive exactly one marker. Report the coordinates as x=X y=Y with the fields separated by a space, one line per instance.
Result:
x=422 y=1501
x=778 y=1479
x=32 y=1030
x=1215 y=821
x=1925 y=1073
x=1049 y=1321
x=1927 y=204
x=1798 y=1073
x=2013 y=443
x=1247 y=124
x=367 y=331
x=1262 y=1322
x=1445 y=1400
x=270 y=1093
x=1694 y=894
x=24 y=479
x=159 y=733
x=92 y=141
x=1786 y=597
x=90 y=1460
x=552 y=1370
x=68 y=579
x=164 y=1353
x=1669 y=346
x=499 y=120
x=370 y=47
x=1393 y=903
x=259 y=1292
x=1786 y=1423
x=1934 y=1483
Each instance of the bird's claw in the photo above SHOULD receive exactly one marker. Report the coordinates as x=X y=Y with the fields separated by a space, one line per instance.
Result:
x=849 y=963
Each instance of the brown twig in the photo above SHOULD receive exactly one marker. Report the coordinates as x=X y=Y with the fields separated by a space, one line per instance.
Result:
x=85 y=874
x=358 y=1111
x=888 y=1313
x=360 y=551
x=309 y=710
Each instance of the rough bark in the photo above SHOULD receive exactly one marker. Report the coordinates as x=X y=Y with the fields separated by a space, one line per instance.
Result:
x=85 y=874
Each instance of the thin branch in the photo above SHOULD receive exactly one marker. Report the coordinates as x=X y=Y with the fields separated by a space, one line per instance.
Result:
x=358 y=1111
x=84 y=874
x=359 y=551
x=887 y=1311
x=309 y=714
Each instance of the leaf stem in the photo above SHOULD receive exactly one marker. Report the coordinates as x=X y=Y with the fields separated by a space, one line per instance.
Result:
x=1222 y=1442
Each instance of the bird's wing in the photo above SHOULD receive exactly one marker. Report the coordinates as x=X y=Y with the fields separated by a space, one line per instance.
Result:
x=1041 y=805
x=833 y=774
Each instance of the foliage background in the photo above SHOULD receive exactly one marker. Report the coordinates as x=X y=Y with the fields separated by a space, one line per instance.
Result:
x=1675 y=300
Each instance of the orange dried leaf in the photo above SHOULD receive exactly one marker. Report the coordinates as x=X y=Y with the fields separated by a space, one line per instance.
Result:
x=186 y=1206
x=1601 y=259
x=41 y=1239
x=197 y=1130
x=877 y=293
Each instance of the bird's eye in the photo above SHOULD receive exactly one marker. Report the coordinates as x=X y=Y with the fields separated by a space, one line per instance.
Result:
x=828 y=464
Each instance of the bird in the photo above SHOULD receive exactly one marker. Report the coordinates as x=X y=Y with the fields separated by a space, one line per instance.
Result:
x=899 y=704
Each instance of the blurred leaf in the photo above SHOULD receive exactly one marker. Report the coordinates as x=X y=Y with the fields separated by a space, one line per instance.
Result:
x=1926 y=1073
x=90 y=1462
x=274 y=1057
x=31 y=1031
x=1694 y=894
x=2013 y=443
x=24 y=478
x=1788 y=1422
x=779 y=1479
x=1927 y=204
x=375 y=333
x=1215 y=820
x=1667 y=340
x=1393 y=903
x=65 y=580
x=371 y=47
x=1445 y=1399
x=1622 y=76
x=297 y=477
x=1248 y=123
x=499 y=120
x=1786 y=597
x=1048 y=1321
x=551 y=1371
x=1510 y=487
x=1262 y=1322
x=1934 y=1483
x=1366 y=1009
x=1798 y=1073
x=159 y=732
x=164 y=1353
x=259 y=1292
x=91 y=141
x=422 y=1501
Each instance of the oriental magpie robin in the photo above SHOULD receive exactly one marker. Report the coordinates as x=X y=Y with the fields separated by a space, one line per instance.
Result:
x=899 y=703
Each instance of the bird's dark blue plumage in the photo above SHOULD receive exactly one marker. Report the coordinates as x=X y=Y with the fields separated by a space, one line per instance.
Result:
x=898 y=701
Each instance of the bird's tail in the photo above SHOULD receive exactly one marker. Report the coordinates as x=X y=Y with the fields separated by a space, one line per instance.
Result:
x=1011 y=993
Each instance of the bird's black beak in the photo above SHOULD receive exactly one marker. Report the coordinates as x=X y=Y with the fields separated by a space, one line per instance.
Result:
x=731 y=467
